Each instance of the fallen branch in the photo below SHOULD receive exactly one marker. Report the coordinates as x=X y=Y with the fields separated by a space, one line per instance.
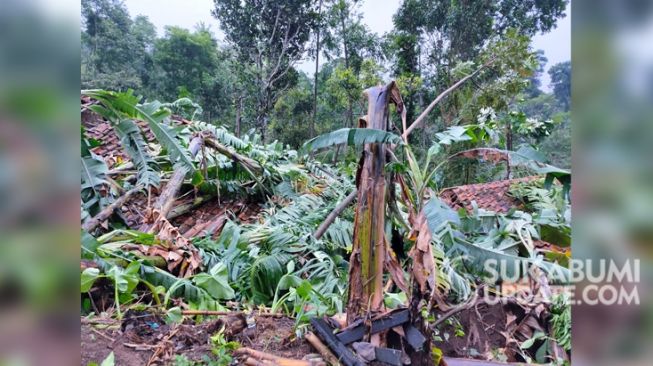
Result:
x=167 y=197
x=94 y=222
x=160 y=347
x=102 y=335
x=187 y=207
x=100 y=321
x=335 y=213
x=208 y=227
x=225 y=313
x=140 y=347
x=441 y=96
x=322 y=349
x=262 y=357
x=251 y=164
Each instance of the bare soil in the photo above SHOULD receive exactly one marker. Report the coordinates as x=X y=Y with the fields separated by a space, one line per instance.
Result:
x=484 y=329
x=140 y=335
x=135 y=341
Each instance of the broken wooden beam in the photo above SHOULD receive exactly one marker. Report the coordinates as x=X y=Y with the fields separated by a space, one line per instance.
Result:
x=388 y=355
x=344 y=354
x=167 y=197
x=414 y=337
x=230 y=153
x=255 y=357
x=358 y=330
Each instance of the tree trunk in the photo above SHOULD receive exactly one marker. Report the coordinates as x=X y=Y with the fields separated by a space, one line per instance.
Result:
x=94 y=222
x=508 y=147
x=368 y=254
x=311 y=129
x=167 y=197
x=239 y=108
x=350 y=113
x=335 y=213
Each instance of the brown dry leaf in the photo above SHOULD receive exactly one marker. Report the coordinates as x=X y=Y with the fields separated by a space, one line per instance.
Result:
x=485 y=153
x=423 y=263
x=182 y=257
x=392 y=265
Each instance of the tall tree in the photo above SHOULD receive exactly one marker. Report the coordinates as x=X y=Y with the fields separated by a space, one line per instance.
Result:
x=445 y=33
x=352 y=42
x=560 y=74
x=114 y=47
x=318 y=28
x=270 y=37
x=460 y=28
x=144 y=33
x=534 y=83
x=187 y=59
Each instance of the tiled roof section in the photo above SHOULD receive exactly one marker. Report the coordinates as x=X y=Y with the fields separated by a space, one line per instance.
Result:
x=97 y=128
x=491 y=196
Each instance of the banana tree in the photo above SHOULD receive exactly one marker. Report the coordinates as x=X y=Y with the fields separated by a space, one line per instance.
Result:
x=380 y=173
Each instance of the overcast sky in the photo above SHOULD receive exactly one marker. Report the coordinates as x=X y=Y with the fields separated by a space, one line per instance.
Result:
x=187 y=13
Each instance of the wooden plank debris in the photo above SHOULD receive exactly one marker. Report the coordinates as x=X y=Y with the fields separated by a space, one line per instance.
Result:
x=414 y=337
x=357 y=330
x=388 y=355
x=344 y=354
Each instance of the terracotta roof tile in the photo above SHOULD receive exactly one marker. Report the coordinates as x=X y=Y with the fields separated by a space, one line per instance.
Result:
x=98 y=128
x=491 y=196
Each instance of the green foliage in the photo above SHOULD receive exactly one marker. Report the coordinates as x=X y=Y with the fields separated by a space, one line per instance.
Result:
x=561 y=80
x=561 y=321
x=115 y=47
x=215 y=282
x=222 y=349
x=118 y=106
x=560 y=332
x=468 y=25
x=93 y=173
x=292 y=114
x=352 y=137
x=124 y=281
x=132 y=141
x=484 y=235
x=193 y=66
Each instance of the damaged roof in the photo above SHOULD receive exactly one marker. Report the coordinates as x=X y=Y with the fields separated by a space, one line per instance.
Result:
x=492 y=196
x=100 y=130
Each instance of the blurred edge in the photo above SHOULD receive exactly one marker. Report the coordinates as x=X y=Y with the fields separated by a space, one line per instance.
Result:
x=612 y=109
x=39 y=179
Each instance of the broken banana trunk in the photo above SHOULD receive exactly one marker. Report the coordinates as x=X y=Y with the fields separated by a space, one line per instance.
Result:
x=369 y=248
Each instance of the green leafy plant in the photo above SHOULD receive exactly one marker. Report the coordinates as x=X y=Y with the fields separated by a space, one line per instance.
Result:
x=352 y=137
x=561 y=321
x=124 y=282
x=222 y=348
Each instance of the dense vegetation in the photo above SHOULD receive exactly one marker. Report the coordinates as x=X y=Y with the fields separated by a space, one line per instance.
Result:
x=251 y=80
x=257 y=130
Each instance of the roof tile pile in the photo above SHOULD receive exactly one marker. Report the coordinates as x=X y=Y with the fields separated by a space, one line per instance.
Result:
x=96 y=127
x=492 y=196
